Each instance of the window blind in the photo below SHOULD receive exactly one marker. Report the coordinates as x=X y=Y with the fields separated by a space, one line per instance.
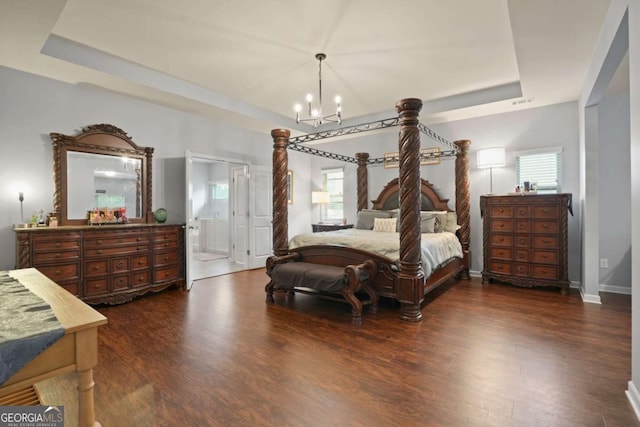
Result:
x=541 y=167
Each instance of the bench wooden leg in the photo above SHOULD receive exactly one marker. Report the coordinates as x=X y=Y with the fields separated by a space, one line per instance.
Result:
x=373 y=296
x=269 y=291
x=356 y=306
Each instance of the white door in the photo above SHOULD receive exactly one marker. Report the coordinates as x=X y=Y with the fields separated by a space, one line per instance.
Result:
x=240 y=215
x=261 y=216
x=191 y=223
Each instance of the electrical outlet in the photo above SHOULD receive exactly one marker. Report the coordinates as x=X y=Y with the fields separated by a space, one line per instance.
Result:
x=604 y=263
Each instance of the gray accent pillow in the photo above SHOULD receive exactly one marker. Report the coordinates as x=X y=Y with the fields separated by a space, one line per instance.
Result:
x=366 y=217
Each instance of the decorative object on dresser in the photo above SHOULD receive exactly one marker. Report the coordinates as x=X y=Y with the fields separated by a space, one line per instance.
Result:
x=525 y=239
x=104 y=261
x=329 y=227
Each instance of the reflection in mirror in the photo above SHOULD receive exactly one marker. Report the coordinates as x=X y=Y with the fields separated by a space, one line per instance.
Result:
x=103 y=181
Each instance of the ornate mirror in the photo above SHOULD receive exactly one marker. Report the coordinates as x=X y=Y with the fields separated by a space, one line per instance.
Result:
x=100 y=168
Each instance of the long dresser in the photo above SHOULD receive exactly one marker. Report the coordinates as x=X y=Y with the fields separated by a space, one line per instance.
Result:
x=109 y=264
x=525 y=239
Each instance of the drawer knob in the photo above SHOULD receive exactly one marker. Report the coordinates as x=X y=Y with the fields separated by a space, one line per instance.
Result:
x=501 y=239
x=98 y=251
x=96 y=268
x=58 y=245
x=140 y=262
x=58 y=255
x=140 y=279
x=138 y=248
x=521 y=226
x=521 y=240
x=99 y=241
x=120 y=264
x=57 y=272
x=521 y=255
x=166 y=258
x=545 y=225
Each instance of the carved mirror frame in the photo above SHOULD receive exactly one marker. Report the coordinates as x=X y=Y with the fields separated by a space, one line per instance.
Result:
x=98 y=139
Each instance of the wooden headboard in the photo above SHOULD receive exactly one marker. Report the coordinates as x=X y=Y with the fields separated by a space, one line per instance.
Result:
x=431 y=201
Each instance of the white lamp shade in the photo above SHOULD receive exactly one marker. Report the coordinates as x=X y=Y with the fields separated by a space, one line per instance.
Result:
x=320 y=197
x=491 y=158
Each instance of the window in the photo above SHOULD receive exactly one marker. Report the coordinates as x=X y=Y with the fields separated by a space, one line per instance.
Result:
x=332 y=182
x=542 y=167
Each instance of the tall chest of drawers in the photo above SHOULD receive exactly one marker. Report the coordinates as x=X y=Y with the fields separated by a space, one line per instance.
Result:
x=525 y=239
x=105 y=264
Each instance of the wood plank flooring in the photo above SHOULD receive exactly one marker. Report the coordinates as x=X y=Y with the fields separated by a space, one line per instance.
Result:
x=485 y=355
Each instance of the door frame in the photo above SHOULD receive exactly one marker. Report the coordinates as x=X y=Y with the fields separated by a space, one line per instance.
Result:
x=190 y=222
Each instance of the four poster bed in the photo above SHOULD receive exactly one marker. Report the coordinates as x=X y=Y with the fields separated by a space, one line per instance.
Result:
x=398 y=274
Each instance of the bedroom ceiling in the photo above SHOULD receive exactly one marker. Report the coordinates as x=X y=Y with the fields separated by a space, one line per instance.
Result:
x=248 y=62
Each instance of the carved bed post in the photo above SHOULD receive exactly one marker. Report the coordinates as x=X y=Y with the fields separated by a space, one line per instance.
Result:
x=463 y=200
x=363 y=181
x=411 y=278
x=280 y=199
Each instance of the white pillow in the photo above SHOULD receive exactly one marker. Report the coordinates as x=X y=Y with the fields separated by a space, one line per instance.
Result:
x=441 y=220
x=385 y=225
x=452 y=222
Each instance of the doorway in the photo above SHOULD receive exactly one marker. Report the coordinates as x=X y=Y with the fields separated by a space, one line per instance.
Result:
x=217 y=194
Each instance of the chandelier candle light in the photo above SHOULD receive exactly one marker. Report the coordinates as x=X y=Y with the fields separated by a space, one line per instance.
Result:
x=315 y=114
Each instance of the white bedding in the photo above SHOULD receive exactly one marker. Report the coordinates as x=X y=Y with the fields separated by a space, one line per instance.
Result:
x=436 y=247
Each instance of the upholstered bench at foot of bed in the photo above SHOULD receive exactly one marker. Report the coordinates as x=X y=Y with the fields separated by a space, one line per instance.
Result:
x=325 y=280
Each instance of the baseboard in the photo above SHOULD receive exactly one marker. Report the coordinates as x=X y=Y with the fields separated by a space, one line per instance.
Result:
x=475 y=273
x=615 y=289
x=634 y=398
x=590 y=298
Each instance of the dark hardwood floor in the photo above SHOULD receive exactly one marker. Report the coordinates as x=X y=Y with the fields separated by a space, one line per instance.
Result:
x=485 y=355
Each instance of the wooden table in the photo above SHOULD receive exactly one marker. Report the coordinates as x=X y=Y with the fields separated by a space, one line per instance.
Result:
x=77 y=350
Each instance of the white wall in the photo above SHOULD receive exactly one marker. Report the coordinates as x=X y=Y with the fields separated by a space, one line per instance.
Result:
x=31 y=107
x=556 y=125
x=614 y=189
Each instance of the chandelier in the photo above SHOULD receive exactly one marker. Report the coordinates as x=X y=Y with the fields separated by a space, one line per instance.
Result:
x=315 y=114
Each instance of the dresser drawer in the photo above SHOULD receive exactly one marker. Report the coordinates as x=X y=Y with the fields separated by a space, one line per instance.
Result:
x=96 y=268
x=164 y=235
x=522 y=240
x=168 y=244
x=100 y=242
x=551 y=227
x=96 y=286
x=39 y=257
x=501 y=253
x=165 y=258
x=140 y=262
x=501 y=211
x=48 y=245
x=500 y=267
x=505 y=225
x=501 y=240
x=57 y=236
x=550 y=212
x=521 y=269
x=545 y=257
x=116 y=251
x=522 y=212
x=61 y=272
x=120 y=282
x=522 y=255
x=119 y=265
x=544 y=272
x=523 y=226
x=163 y=274
x=545 y=242
x=141 y=279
